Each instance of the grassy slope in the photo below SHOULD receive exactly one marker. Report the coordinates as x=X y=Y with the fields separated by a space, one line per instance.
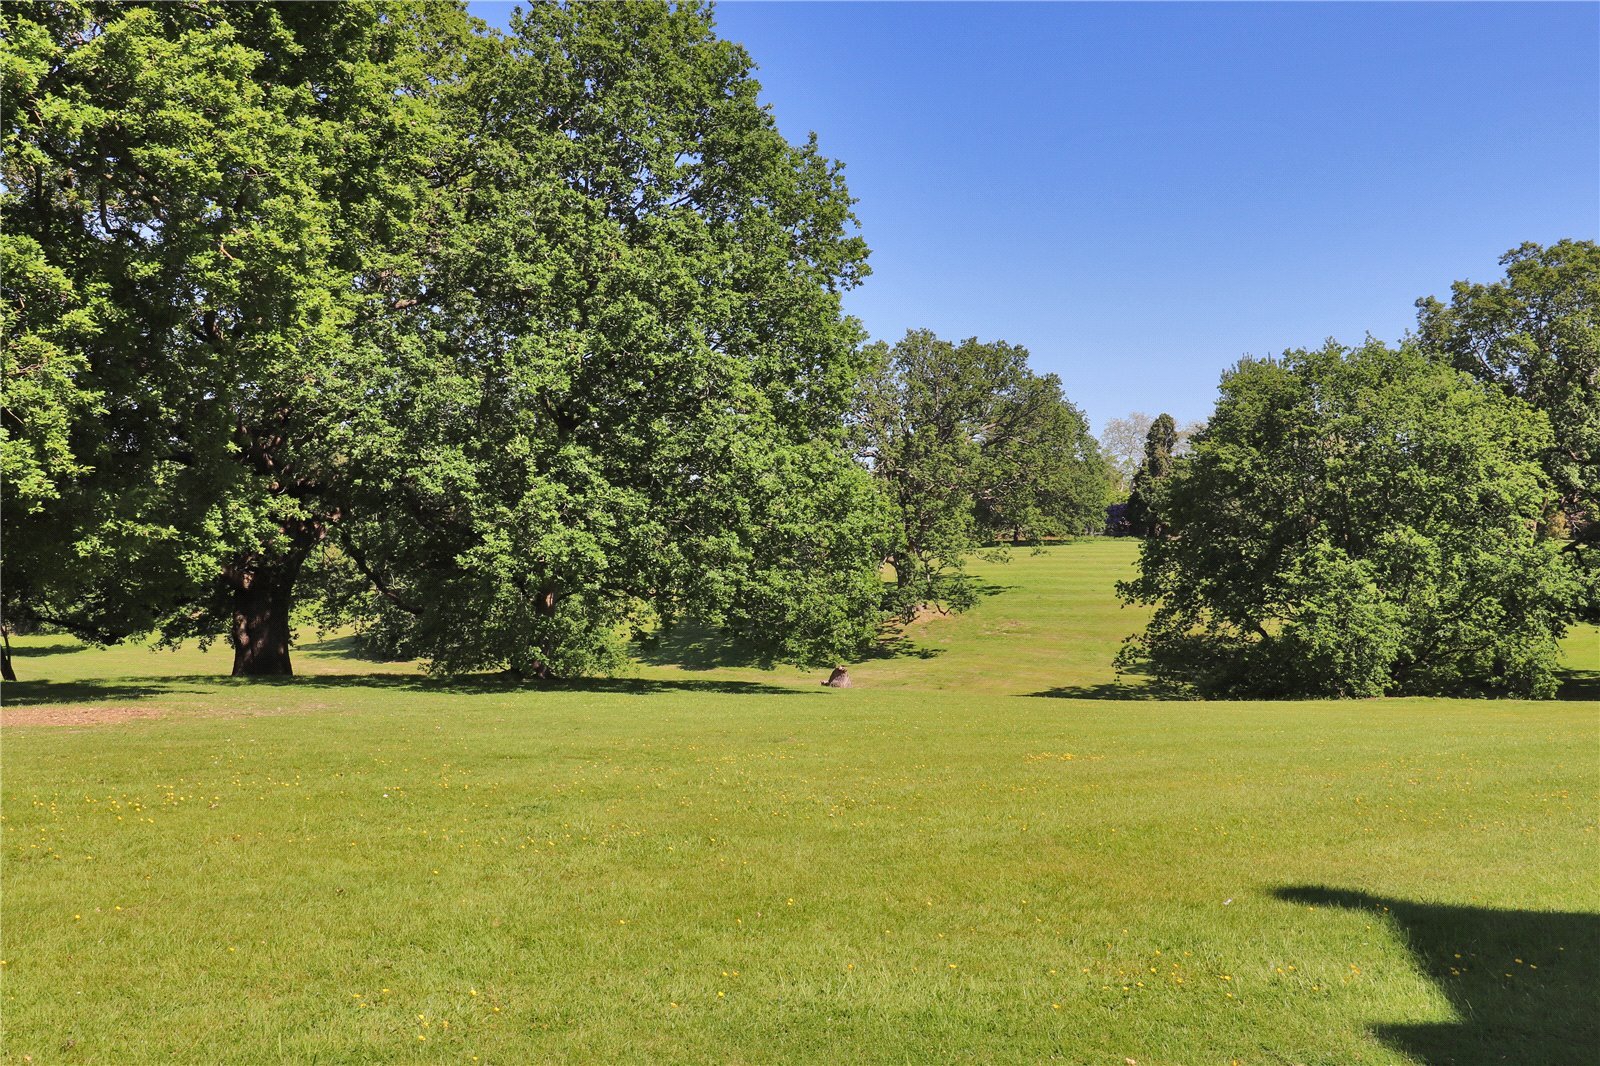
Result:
x=1047 y=620
x=725 y=865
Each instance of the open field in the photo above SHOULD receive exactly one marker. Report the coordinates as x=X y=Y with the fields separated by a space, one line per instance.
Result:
x=713 y=863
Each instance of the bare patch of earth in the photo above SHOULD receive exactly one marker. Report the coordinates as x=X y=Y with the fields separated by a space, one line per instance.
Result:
x=114 y=714
x=99 y=714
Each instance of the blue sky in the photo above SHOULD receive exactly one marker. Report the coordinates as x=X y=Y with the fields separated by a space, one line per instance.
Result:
x=1142 y=193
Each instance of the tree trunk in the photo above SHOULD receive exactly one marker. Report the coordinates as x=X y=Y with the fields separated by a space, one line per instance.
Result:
x=261 y=603
x=535 y=663
x=263 y=591
x=902 y=569
x=6 y=672
x=545 y=605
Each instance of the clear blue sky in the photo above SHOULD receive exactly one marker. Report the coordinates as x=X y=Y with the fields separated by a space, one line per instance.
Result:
x=1141 y=193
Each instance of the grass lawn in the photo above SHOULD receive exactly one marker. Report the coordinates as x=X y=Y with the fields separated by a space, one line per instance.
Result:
x=709 y=863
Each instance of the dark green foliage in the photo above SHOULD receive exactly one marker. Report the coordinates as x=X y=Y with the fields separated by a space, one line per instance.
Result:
x=1536 y=334
x=551 y=321
x=970 y=444
x=616 y=388
x=1050 y=479
x=1159 y=444
x=1354 y=523
x=197 y=200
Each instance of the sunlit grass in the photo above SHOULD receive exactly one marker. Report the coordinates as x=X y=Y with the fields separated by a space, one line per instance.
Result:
x=735 y=866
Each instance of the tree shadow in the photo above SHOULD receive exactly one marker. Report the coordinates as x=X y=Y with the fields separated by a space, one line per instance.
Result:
x=28 y=651
x=349 y=646
x=1522 y=982
x=894 y=642
x=1108 y=690
x=900 y=646
x=1142 y=687
x=502 y=683
x=92 y=690
x=1582 y=686
x=693 y=646
x=985 y=589
x=34 y=693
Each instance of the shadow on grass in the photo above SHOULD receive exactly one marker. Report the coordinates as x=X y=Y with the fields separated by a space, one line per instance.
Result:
x=94 y=690
x=691 y=646
x=1579 y=685
x=986 y=589
x=1108 y=690
x=345 y=647
x=28 y=651
x=488 y=683
x=1539 y=1010
x=1140 y=686
x=900 y=646
x=895 y=643
x=34 y=693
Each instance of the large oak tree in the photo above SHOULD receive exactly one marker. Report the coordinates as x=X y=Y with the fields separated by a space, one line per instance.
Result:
x=615 y=397
x=544 y=326
x=199 y=204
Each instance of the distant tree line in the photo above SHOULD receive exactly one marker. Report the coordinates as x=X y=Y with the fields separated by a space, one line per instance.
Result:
x=1125 y=443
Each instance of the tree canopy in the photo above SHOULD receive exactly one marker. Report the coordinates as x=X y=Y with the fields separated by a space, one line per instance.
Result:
x=1050 y=479
x=1536 y=334
x=617 y=389
x=197 y=197
x=1160 y=448
x=1354 y=523
x=522 y=340
x=1123 y=442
